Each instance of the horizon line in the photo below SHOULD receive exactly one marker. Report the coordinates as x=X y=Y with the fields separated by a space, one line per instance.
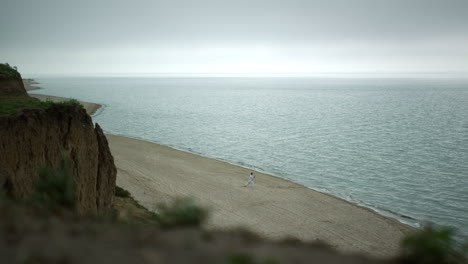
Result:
x=253 y=74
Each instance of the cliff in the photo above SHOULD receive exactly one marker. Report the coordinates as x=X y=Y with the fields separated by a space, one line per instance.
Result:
x=11 y=83
x=39 y=137
x=35 y=137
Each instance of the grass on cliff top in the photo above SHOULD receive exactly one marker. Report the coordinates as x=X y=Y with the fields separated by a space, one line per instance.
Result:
x=7 y=70
x=10 y=106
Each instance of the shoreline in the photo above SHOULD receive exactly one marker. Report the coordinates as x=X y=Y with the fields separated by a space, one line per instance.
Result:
x=410 y=223
x=363 y=206
x=276 y=208
x=31 y=85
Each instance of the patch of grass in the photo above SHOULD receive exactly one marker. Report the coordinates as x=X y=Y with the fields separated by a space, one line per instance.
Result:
x=128 y=211
x=9 y=107
x=9 y=71
x=137 y=204
x=55 y=189
x=239 y=259
x=432 y=246
x=181 y=212
x=246 y=259
x=121 y=192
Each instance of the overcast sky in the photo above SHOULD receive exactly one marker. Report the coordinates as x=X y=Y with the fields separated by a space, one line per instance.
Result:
x=234 y=36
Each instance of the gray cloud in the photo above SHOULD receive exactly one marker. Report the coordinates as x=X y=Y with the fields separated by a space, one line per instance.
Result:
x=339 y=35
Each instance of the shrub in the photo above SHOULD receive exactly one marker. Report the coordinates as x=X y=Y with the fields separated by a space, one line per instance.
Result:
x=239 y=259
x=121 y=192
x=55 y=189
x=246 y=259
x=181 y=212
x=431 y=246
x=12 y=106
x=9 y=71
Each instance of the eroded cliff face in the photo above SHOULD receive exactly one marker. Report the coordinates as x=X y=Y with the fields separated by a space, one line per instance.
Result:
x=12 y=86
x=40 y=137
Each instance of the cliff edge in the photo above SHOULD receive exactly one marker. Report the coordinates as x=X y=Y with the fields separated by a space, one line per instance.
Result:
x=11 y=83
x=35 y=137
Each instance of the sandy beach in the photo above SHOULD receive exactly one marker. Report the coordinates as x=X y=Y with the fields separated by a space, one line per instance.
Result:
x=90 y=108
x=31 y=85
x=274 y=208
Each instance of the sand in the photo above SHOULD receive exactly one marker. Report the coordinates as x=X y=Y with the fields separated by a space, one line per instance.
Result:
x=31 y=85
x=274 y=208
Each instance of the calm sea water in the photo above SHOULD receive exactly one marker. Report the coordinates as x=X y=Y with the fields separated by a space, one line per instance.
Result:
x=398 y=146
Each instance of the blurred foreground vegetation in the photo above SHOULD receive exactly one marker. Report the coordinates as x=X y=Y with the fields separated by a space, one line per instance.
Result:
x=55 y=194
x=433 y=245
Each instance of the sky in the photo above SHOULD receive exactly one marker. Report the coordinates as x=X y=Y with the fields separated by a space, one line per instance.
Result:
x=243 y=36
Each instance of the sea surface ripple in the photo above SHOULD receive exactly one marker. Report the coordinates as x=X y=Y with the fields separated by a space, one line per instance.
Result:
x=398 y=146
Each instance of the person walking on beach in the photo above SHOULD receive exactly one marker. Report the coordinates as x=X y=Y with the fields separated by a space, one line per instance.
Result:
x=251 y=180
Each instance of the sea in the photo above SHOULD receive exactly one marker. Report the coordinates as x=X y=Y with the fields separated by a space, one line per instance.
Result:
x=397 y=145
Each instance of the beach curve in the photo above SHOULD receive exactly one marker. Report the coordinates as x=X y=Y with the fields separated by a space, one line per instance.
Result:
x=31 y=85
x=275 y=208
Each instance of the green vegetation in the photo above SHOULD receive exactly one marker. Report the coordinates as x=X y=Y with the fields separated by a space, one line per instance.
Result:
x=181 y=212
x=55 y=189
x=246 y=259
x=121 y=192
x=129 y=211
x=9 y=71
x=239 y=259
x=8 y=107
x=432 y=246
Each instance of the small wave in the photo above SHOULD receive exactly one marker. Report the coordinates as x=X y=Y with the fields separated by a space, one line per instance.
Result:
x=405 y=219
